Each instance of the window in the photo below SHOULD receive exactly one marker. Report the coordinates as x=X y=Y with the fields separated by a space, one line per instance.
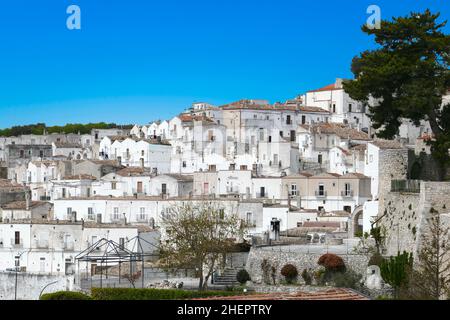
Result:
x=249 y=218
x=348 y=209
x=116 y=213
x=139 y=187
x=63 y=192
x=243 y=167
x=288 y=120
x=41 y=153
x=303 y=119
x=293 y=135
x=121 y=243
x=320 y=208
x=294 y=190
x=91 y=214
x=232 y=166
x=164 y=189
x=321 y=189
x=334 y=108
x=371 y=158
x=17 y=237
x=184 y=164
x=319 y=158
x=69 y=212
x=270 y=138
x=347 y=191
x=142 y=215
x=349 y=107
x=205 y=188
x=113 y=185
x=281 y=133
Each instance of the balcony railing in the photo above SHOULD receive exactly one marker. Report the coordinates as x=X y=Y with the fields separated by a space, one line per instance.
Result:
x=142 y=218
x=261 y=195
x=17 y=245
x=412 y=186
x=347 y=193
x=320 y=194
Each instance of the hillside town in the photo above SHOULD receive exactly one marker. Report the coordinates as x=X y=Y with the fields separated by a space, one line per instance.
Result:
x=308 y=176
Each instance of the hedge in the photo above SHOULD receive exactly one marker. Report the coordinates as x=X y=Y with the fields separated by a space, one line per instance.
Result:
x=65 y=295
x=153 y=294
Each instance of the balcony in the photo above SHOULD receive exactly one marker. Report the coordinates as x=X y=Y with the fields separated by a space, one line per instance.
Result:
x=320 y=193
x=142 y=218
x=42 y=244
x=261 y=195
x=17 y=245
x=347 y=194
x=69 y=246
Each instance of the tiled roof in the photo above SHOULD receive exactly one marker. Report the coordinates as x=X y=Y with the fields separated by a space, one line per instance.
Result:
x=133 y=171
x=80 y=177
x=321 y=224
x=22 y=205
x=341 y=130
x=326 y=88
x=67 y=145
x=265 y=105
x=354 y=175
x=9 y=185
x=179 y=177
x=387 y=144
x=328 y=294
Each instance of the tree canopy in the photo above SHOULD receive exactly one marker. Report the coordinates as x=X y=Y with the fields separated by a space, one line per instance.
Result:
x=40 y=128
x=197 y=236
x=406 y=77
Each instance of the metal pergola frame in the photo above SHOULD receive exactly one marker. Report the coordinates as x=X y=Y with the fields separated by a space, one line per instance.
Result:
x=115 y=253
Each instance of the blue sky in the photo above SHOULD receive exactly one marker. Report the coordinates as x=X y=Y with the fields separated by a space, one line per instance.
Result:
x=135 y=61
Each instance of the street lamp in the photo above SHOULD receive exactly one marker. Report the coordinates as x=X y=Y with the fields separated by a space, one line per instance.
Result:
x=17 y=264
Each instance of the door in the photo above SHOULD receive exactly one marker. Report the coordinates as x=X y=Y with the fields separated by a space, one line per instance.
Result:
x=319 y=158
x=206 y=188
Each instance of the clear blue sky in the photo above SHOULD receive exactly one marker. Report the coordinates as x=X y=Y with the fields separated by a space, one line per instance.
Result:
x=139 y=60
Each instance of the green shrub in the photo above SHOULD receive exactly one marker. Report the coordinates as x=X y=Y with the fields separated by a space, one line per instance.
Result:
x=153 y=294
x=348 y=279
x=242 y=276
x=306 y=277
x=290 y=272
x=65 y=295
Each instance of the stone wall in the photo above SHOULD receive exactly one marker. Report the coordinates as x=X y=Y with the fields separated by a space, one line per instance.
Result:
x=400 y=215
x=278 y=259
x=393 y=164
x=403 y=215
x=29 y=286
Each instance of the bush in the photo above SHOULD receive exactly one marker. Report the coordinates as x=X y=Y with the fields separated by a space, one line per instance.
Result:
x=290 y=272
x=65 y=295
x=306 y=277
x=153 y=294
x=332 y=263
x=375 y=260
x=348 y=279
x=242 y=276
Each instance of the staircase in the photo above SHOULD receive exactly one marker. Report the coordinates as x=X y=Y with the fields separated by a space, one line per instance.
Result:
x=227 y=278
